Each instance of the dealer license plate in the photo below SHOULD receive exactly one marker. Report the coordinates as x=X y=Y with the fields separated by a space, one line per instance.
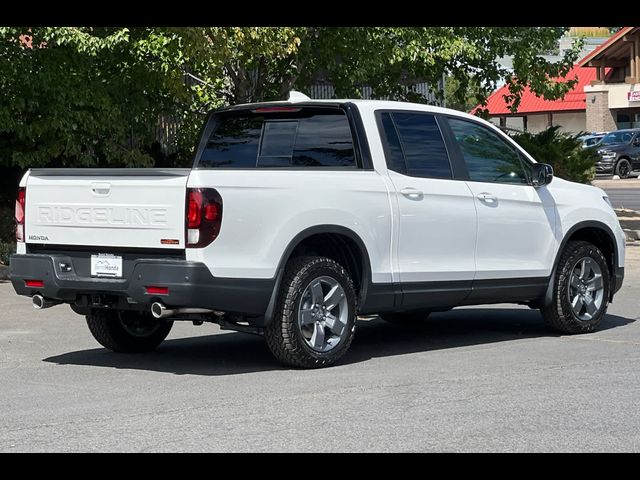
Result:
x=106 y=265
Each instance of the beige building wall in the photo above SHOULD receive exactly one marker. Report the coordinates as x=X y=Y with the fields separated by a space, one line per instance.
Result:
x=572 y=122
x=537 y=123
x=599 y=117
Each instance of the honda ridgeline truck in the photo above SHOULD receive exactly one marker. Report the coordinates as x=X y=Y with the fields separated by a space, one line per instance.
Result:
x=298 y=216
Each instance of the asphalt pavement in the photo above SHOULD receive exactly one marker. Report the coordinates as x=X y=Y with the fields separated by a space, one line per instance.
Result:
x=622 y=193
x=628 y=198
x=473 y=379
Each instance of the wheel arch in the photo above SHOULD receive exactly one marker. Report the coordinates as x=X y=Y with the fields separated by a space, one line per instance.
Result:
x=598 y=233
x=355 y=255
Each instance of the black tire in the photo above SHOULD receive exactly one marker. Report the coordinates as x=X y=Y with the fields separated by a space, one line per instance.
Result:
x=623 y=168
x=283 y=335
x=405 y=318
x=558 y=314
x=127 y=332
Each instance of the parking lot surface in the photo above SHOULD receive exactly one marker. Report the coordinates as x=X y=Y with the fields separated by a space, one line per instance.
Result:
x=473 y=379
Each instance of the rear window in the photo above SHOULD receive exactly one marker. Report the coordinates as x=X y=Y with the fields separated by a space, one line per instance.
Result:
x=305 y=138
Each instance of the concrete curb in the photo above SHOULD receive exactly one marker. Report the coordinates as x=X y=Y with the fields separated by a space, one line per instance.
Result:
x=4 y=272
x=629 y=219
x=632 y=235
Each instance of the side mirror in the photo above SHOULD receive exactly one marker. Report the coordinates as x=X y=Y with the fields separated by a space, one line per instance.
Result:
x=542 y=174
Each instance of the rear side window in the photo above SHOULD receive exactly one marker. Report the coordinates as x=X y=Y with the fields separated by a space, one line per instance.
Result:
x=305 y=138
x=415 y=145
x=395 y=157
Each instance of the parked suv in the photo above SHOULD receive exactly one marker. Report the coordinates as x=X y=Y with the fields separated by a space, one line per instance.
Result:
x=299 y=216
x=619 y=152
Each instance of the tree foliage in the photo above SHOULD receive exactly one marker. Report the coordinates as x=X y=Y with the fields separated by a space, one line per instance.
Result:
x=563 y=151
x=263 y=63
x=452 y=94
x=85 y=96
x=92 y=96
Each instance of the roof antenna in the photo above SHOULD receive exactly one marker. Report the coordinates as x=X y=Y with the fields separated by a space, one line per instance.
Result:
x=295 y=96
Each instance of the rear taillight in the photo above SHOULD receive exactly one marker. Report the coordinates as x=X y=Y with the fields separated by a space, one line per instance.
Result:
x=203 y=216
x=20 y=210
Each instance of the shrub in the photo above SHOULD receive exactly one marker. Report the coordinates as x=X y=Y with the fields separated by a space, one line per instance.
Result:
x=563 y=151
x=7 y=224
x=6 y=249
x=7 y=233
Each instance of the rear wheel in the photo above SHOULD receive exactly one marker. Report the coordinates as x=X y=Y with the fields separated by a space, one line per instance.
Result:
x=405 y=318
x=623 y=168
x=580 y=290
x=127 y=332
x=315 y=318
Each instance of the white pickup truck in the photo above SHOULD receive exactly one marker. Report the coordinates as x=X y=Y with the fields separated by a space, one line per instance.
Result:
x=298 y=216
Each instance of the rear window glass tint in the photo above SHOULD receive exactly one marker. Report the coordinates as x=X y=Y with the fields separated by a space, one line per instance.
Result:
x=305 y=139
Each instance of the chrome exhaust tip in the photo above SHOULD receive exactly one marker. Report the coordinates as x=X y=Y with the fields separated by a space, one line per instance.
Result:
x=39 y=302
x=158 y=310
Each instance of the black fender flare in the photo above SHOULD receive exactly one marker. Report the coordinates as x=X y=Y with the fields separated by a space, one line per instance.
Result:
x=548 y=298
x=300 y=237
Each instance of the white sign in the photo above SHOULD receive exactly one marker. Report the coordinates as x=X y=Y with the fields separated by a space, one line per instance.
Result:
x=106 y=265
x=633 y=96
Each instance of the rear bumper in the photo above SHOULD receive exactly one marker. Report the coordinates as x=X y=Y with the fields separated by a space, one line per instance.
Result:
x=190 y=284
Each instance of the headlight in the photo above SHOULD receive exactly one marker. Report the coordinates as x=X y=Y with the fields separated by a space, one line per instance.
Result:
x=608 y=155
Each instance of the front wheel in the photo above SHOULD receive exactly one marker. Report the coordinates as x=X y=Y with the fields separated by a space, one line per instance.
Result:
x=580 y=291
x=316 y=313
x=623 y=168
x=127 y=331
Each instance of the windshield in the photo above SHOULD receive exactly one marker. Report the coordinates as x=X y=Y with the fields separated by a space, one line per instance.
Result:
x=617 y=137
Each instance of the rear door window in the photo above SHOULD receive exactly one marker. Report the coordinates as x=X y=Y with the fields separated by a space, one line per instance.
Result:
x=414 y=145
x=304 y=138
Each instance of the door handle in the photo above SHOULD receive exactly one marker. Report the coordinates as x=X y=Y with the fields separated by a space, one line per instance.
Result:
x=412 y=193
x=487 y=198
x=101 y=189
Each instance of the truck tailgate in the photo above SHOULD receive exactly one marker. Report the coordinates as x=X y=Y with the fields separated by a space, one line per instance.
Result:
x=137 y=208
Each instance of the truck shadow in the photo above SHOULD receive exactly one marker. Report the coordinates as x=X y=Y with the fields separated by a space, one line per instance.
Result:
x=237 y=353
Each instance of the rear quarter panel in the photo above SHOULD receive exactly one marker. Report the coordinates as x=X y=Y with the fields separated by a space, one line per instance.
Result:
x=263 y=210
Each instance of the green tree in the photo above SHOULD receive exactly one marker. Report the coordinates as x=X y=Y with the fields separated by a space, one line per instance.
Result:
x=92 y=96
x=472 y=92
x=263 y=63
x=86 y=96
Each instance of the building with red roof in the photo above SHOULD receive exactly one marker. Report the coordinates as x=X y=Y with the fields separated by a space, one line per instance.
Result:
x=536 y=114
x=602 y=100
